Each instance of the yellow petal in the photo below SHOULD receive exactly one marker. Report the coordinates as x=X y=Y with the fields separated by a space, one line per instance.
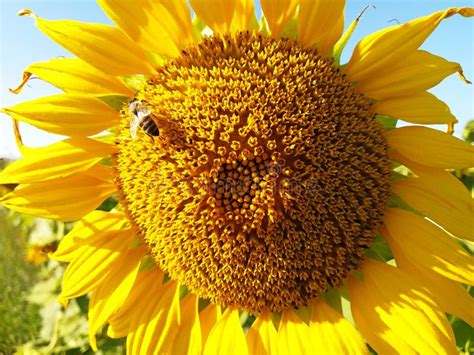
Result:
x=65 y=199
x=243 y=15
x=329 y=40
x=262 y=336
x=293 y=335
x=446 y=213
x=102 y=46
x=424 y=243
x=317 y=19
x=331 y=333
x=102 y=172
x=396 y=315
x=278 y=14
x=443 y=183
x=98 y=259
x=75 y=76
x=420 y=108
x=94 y=224
x=113 y=291
x=162 y=27
x=418 y=72
x=227 y=336
x=145 y=284
x=66 y=114
x=57 y=160
x=189 y=335
x=430 y=147
x=450 y=295
x=154 y=329
x=208 y=317
x=217 y=14
x=377 y=53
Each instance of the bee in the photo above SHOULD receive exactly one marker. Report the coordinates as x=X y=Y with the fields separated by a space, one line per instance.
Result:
x=140 y=116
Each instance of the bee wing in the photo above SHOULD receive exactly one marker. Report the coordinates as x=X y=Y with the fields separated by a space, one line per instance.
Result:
x=134 y=122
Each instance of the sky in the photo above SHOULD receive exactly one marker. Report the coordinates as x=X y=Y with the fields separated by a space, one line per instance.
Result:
x=21 y=44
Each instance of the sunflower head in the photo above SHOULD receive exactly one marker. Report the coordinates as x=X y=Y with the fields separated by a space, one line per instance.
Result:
x=269 y=178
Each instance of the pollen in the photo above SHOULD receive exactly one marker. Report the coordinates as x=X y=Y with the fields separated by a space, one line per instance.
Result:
x=269 y=178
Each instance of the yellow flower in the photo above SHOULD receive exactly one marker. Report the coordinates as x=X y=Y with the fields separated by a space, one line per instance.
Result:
x=254 y=179
x=36 y=255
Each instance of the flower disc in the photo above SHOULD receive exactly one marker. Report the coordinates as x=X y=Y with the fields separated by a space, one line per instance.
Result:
x=269 y=177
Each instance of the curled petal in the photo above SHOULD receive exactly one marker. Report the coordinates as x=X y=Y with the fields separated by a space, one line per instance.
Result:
x=388 y=47
x=417 y=73
x=75 y=76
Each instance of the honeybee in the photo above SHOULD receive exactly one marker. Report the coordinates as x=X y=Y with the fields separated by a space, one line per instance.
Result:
x=140 y=116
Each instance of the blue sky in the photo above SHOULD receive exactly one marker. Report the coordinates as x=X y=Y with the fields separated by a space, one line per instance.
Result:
x=22 y=44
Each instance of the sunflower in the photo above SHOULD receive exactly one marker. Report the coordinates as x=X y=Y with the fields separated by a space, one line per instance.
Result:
x=266 y=201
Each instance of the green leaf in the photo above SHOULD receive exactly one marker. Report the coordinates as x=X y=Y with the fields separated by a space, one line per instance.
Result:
x=386 y=121
x=136 y=82
x=244 y=316
x=117 y=102
x=333 y=298
x=110 y=346
x=379 y=250
x=198 y=26
x=248 y=323
x=396 y=176
x=108 y=205
x=83 y=303
x=468 y=133
x=345 y=303
x=396 y=201
x=464 y=335
x=253 y=26
x=290 y=30
x=304 y=313
x=183 y=291
x=263 y=27
x=147 y=263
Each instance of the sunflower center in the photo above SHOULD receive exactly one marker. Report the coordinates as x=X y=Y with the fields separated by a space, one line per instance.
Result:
x=268 y=179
